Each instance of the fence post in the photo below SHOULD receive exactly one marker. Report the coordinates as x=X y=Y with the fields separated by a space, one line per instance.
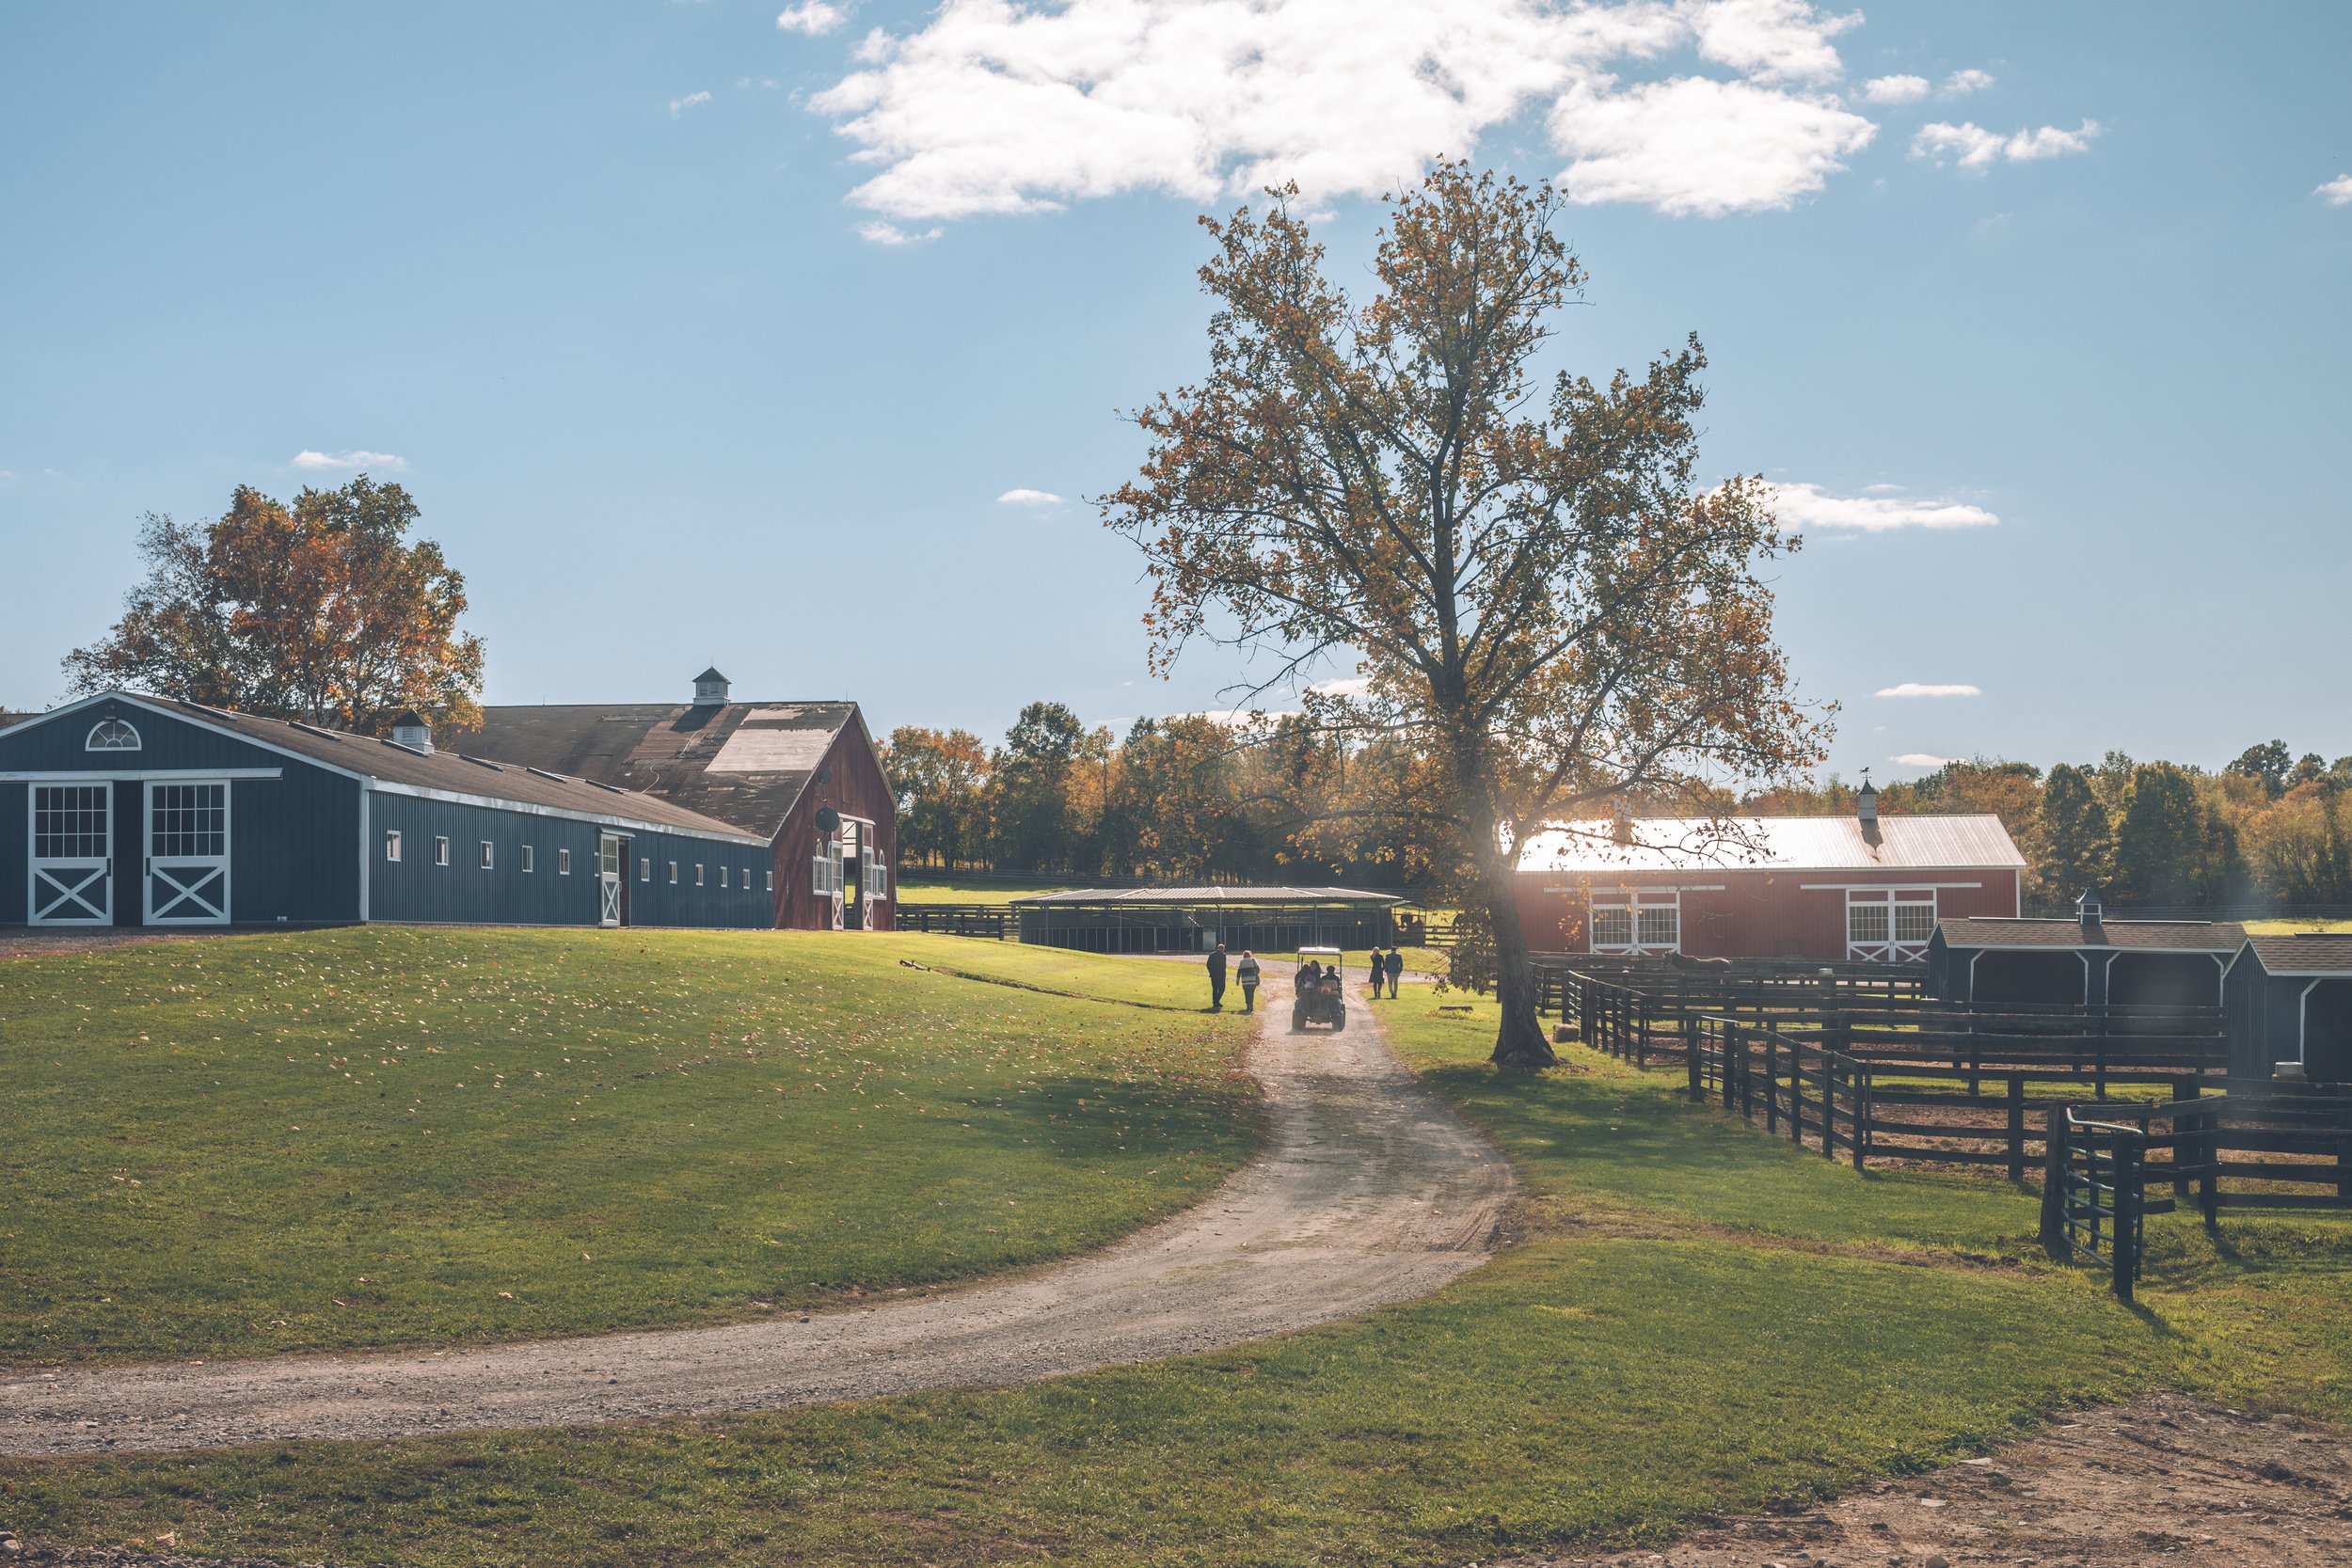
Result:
x=1862 y=1113
x=1829 y=1106
x=2130 y=1175
x=2182 y=1091
x=1796 y=1094
x=2055 y=1174
x=1690 y=1051
x=1771 y=1079
x=2016 y=1127
x=1641 y=1031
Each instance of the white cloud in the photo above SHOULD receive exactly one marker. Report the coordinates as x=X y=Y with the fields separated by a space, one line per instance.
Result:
x=1010 y=106
x=1806 y=506
x=1921 y=759
x=1345 y=686
x=890 y=233
x=1024 y=495
x=812 y=17
x=2336 y=192
x=348 y=462
x=1894 y=89
x=1961 y=83
x=691 y=101
x=1916 y=688
x=1973 y=146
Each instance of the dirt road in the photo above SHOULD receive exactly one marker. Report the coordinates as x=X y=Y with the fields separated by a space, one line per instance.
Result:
x=1371 y=1191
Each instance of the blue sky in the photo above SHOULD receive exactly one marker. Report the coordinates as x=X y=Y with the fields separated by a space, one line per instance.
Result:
x=740 y=377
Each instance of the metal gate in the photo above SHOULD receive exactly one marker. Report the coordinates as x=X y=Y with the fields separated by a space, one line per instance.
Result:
x=73 y=859
x=187 y=854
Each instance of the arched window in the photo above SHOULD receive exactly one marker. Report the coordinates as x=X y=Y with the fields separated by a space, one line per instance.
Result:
x=112 y=734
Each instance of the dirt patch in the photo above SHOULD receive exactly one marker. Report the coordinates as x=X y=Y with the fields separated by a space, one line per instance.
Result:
x=27 y=943
x=2164 y=1480
x=1371 y=1190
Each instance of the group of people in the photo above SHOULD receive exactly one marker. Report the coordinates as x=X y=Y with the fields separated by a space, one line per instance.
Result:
x=1385 y=967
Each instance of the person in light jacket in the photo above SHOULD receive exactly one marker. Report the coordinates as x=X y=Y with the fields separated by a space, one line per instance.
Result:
x=1246 y=973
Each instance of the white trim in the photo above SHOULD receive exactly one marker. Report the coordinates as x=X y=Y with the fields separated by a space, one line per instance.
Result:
x=139 y=742
x=1635 y=902
x=33 y=864
x=386 y=787
x=2220 y=955
x=1880 y=887
x=147 y=859
x=2303 y=1019
x=1590 y=887
x=88 y=775
x=366 y=835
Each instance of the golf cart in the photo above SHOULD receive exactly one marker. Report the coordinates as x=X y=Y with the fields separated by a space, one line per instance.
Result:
x=1320 y=1002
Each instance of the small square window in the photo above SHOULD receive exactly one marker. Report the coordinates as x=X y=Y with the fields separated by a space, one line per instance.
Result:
x=440 y=851
x=674 y=873
x=392 y=843
x=563 y=863
x=530 y=858
x=486 y=855
x=698 y=873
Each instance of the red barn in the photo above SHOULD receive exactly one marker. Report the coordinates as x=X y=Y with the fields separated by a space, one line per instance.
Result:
x=1835 y=889
x=805 y=775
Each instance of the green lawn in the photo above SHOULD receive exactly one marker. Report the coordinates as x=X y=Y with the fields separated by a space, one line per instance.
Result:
x=388 y=1135
x=1695 y=1318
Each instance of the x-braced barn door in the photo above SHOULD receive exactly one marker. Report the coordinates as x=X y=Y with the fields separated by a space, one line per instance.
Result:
x=609 y=880
x=187 y=854
x=73 y=863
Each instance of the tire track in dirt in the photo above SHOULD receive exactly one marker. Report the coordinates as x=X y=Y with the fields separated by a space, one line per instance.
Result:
x=1371 y=1190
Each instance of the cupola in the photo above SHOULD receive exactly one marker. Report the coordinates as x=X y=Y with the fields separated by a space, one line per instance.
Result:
x=710 y=688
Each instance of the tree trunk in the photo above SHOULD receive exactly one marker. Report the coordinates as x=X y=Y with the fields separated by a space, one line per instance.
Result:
x=1519 y=1042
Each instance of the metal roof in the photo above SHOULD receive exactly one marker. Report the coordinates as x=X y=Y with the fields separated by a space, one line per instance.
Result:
x=1974 y=843
x=1215 y=895
x=2305 y=953
x=2057 y=932
x=742 y=763
x=452 y=773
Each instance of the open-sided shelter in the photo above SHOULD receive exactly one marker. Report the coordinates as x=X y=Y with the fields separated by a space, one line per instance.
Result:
x=139 y=811
x=2290 y=1007
x=1832 y=888
x=1195 y=919
x=2088 y=960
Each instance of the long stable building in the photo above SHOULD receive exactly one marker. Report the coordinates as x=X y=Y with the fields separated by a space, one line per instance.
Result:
x=1195 y=919
x=1852 y=889
x=2088 y=960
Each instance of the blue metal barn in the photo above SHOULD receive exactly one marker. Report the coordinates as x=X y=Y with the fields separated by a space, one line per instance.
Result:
x=125 y=810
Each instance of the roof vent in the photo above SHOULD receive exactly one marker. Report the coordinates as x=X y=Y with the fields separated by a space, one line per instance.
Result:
x=2091 y=908
x=710 y=688
x=1865 y=808
x=1622 y=829
x=410 y=730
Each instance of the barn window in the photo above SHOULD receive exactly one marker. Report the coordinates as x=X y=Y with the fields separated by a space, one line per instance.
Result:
x=1641 y=920
x=440 y=851
x=771 y=882
x=722 y=875
x=486 y=855
x=1888 y=925
x=112 y=734
x=530 y=858
x=563 y=863
x=392 y=843
x=674 y=873
x=698 y=873
x=644 y=871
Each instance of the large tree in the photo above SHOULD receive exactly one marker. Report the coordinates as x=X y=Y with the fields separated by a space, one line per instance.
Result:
x=1030 y=779
x=2160 y=838
x=2072 y=850
x=1534 y=585
x=940 y=778
x=322 y=611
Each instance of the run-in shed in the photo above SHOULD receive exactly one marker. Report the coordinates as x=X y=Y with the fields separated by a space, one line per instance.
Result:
x=1195 y=919
x=2089 y=960
x=2290 y=1007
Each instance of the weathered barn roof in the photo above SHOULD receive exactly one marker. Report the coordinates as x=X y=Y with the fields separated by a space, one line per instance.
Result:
x=1216 y=895
x=2311 y=953
x=2147 y=936
x=742 y=763
x=454 y=773
x=1775 y=843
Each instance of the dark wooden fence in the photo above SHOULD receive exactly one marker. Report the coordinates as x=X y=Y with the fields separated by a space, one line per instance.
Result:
x=992 y=921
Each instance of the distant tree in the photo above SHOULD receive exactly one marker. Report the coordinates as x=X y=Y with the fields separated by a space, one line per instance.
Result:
x=2069 y=843
x=321 y=611
x=2300 y=849
x=1180 y=800
x=2160 y=845
x=939 y=777
x=2310 y=767
x=2268 y=762
x=2008 y=790
x=1537 y=591
x=1030 y=789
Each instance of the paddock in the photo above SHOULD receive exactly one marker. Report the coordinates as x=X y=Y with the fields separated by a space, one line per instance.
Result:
x=1195 y=919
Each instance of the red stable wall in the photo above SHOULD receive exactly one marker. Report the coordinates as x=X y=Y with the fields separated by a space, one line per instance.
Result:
x=1750 y=912
x=857 y=788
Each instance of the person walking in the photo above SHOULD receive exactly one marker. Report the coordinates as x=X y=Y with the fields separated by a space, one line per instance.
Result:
x=1394 y=965
x=1247 y=973
x=1376 y=973
x=1216 y=979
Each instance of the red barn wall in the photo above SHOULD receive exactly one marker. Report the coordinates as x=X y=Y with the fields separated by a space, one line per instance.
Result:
x=1752 y=911
x=857 y=788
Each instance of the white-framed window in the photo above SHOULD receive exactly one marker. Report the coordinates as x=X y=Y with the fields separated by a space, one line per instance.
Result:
x=722 y=875
x=1637 y=920
x=531 y=858
x=440 y=851
x=698 y=873
x=1888 y=925
x=392 y=843
x=644 y=870
x=112 y=734
x=771 y=882
x=563 y=863
x=488 y=855
x=674 y=873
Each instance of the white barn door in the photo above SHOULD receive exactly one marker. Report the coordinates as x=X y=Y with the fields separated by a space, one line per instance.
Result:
x=187 y=853
x=72 y=855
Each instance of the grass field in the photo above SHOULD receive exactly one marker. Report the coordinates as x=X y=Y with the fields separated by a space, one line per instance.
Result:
x=917 y=887
x=2280 y=928
x=379 y=1136
x=1694 y=1319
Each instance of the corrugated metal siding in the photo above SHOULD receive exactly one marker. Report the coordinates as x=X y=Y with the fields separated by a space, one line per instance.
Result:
x=14 y=802
x=1784 y=843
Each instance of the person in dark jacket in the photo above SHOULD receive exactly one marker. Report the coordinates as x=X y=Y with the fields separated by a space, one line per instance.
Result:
x=1376 y=972
x=1394 y=965
x=1247 y=973
x=1216 y=979
x=1310 y=974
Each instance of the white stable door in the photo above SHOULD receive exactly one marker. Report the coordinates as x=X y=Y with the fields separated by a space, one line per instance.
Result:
x=72 y=855
x=609 y=880
x=187 y=853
